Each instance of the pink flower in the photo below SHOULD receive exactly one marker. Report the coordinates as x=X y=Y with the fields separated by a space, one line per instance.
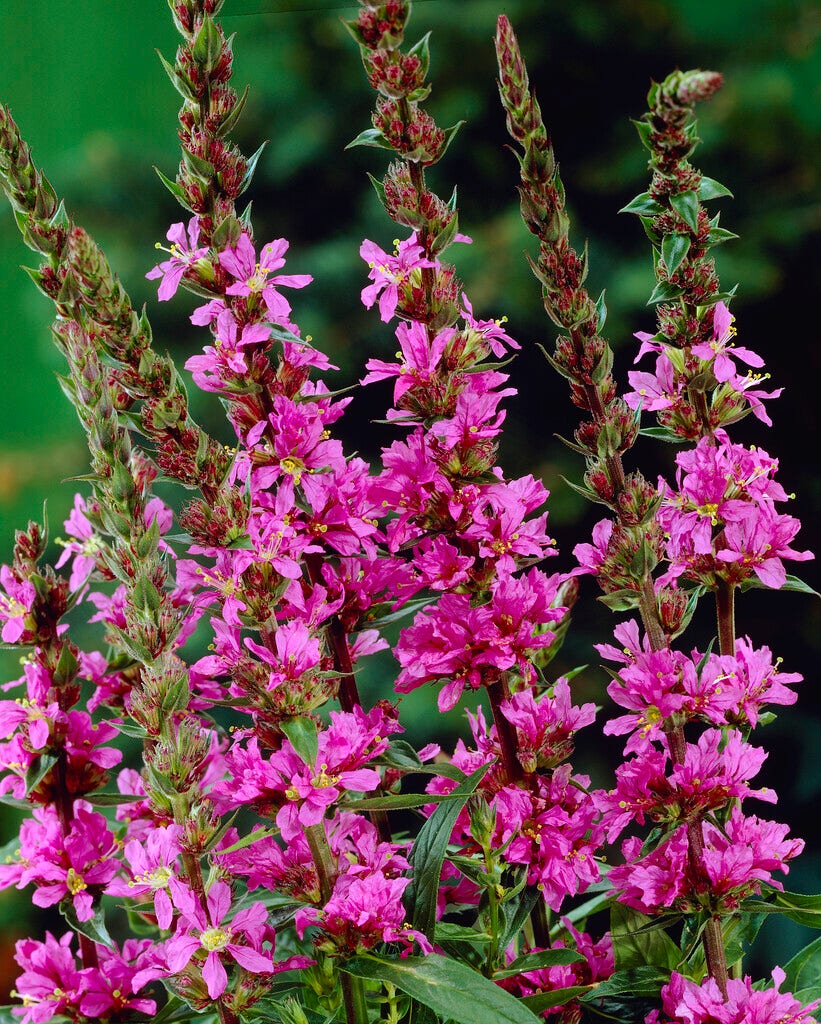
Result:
x=50 y=983
x=390 y=273
x=684 y=1001
x=154 y=862
x=203 y=931
x=15 y=605
x=545 y=729
x=254 y=277
x=351 y=740
x=85 y=545
x=717 y=349
x=111 y=988
x=362 y=911
x=184 y=253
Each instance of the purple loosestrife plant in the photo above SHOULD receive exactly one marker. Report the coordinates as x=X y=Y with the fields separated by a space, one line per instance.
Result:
x=256 y=852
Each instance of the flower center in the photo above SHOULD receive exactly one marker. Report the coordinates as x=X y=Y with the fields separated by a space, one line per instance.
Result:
x=293 y=467
x=258 y=280
x=214 y=939
x=323 y=780
x=157 y=878
x=75 y=883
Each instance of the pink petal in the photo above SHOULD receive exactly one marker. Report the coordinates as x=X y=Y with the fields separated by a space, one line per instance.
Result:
x=214 y=976
x=250 y=959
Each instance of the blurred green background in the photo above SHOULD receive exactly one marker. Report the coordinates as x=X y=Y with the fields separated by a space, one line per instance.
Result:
x=91 y=98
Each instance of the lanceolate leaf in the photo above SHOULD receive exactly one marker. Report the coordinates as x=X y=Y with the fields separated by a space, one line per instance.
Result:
x=804 y=970
x=428 y=855
x=94 y=929
x=674 y=249
x=301 y=731
x=537 y=961
x=449 y=988
x=686 y=206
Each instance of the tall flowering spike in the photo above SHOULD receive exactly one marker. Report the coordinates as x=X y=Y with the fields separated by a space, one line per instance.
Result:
x=582 y=354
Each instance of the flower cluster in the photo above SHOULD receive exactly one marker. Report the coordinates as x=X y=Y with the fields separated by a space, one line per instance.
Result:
x=257 y=836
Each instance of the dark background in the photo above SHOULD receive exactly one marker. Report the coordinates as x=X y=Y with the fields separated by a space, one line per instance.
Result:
x=90 y=96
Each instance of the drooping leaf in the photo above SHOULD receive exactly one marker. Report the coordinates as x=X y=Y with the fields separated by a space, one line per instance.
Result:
x=804 y=969
x=537 y=961
x=644 y=205
x=712 y=189
x=641 y=942
x=449 y=988
x=428 y=855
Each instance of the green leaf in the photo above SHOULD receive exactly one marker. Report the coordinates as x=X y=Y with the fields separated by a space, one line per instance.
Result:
x=558 y=997
x=94 y=929
x=800 y=908
x=674 y=249
x=112 y=799
x=601 y=313
x=428 y=855
x=422 y=51
x=249 y=840
x=662 y=434
x=686 y=206
x=450 y=135
x=536 y=961
x=250 y=168
x=396 y=801
x=717 y=236
x=804 y=969
x=644 y=130
x=791 y=583
x=644 y=205
x=620 y=600
x=198 y=166
x=379 y=188
x=586 y=492
x=301 y=731
x=449 y=988
x=233 y=115
x=712 y=189
x=207 y=45
x=641 y=942
x=38 y=770
x=663 y=292
x=371 y=137
x=638 y=981
x=180 y=82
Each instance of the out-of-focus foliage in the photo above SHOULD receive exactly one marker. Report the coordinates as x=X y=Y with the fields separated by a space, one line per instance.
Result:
x=90 y=96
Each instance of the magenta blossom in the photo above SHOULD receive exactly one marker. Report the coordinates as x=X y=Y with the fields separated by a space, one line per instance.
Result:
x=154 y=862
x=390 y=273
x=721 y=349
x=15 y=605
x=199 y=932
x=254 y=277
x=362 y=911
x=684 y=1001
x=50 y=983
x=184 y=254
